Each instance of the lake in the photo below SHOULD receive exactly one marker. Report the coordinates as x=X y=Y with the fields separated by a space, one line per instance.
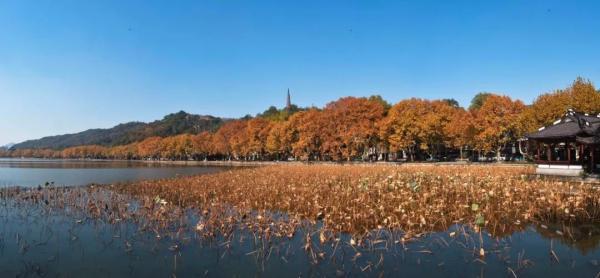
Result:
x=41 y=237
x=34 y=172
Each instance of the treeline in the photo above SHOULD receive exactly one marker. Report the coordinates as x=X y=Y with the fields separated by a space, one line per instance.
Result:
x=170 y=125
x=354 y=128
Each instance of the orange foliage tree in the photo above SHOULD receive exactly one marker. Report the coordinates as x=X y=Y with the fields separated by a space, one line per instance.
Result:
x=150 y=148
x=460 y=130
x=416 y=124
x=580 y=96
x=304 y=132
x=350 y=127
x=257 y=132
x=202 y=145
x=497 y=123
x=226 y=139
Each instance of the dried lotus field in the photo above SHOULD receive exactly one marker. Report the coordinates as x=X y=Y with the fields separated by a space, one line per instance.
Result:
x=314 y=220
x=358 y=199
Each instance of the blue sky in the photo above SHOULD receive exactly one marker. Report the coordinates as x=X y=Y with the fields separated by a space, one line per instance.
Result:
x=66 y=66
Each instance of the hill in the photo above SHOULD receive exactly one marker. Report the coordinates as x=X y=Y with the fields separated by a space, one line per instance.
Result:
x=172 y=124
x=7 y=146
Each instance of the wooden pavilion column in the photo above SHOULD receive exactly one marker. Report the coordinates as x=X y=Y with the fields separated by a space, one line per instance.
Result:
x=549 y=152
x=539 y=153
x=568 y=145
x=592 y=149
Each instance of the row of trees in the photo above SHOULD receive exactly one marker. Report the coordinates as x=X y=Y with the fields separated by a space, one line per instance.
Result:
x=358 y=128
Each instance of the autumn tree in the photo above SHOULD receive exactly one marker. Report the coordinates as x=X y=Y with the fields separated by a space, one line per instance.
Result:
x=460 y=131
x=377 y=98
x=202 y=145
x=580 y=96
x=150 y=148
x=404 y=128
x=129 y=151
x=415 y=125
x=228 y=137
x=257 y=132
x=179 y=147
x=232 y=139
x=496 y=123
x=304 y=132
x=279 y=140
x=350 y=126
x=435 y=121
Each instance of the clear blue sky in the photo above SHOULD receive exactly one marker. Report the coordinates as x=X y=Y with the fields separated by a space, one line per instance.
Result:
x=66 y=66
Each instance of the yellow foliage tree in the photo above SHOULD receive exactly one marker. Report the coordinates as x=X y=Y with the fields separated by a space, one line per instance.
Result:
x=497 y=123
x=350 y=126
x=581 y=96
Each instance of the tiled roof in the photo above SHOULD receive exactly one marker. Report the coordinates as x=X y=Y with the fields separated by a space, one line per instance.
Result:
x=572 y=125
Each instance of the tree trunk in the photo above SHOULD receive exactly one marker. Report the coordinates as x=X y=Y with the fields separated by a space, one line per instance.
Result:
x=498 y=154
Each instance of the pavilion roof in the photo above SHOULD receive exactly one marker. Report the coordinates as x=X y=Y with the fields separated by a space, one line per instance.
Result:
x=588 y=140
x=573 y=125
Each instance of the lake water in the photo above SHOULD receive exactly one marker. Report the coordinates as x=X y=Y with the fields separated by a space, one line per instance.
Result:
x=39 y=241
x=33 y=172
x=36 y=242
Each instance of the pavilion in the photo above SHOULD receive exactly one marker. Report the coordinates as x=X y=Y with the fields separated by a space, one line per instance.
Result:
x=568 y=147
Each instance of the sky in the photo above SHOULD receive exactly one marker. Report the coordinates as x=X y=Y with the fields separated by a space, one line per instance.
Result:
x=66 y=66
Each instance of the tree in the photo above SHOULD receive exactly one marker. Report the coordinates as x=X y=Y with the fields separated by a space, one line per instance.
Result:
x=416 y=125
x=227 y=140
x=350 y=126
x=460 y=131
x=278 y=141
x=202 y=145
x=404 y=128
x=452 y=102
x=238 y=139
x=257 y=132
x=478 y=100
x=304 y=133
x=178 y=147
x=547 y=108
x=435 y=121
x=497 y=123
x=150 y=148
x=377 y=98
x=274 y=114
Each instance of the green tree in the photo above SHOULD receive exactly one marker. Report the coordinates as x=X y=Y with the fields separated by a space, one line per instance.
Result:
x=452 y=102
x=478 y=100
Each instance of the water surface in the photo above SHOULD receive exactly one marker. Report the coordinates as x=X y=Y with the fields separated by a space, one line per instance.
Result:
x=38 y=240
x=33 y=172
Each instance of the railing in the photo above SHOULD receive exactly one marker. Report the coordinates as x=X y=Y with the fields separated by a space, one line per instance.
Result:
x=558 y=162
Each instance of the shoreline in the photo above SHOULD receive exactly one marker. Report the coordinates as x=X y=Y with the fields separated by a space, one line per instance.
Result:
x=267 y=163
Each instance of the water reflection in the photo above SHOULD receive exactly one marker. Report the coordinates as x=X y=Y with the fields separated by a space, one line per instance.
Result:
x=85 y=164
x=585 y=238
x=75 y=232
x=33 y=172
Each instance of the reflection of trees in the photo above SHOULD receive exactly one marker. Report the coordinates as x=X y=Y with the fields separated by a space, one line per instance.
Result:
x=585 y=237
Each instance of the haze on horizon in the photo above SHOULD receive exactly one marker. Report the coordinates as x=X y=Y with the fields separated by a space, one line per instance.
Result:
x=67 y=66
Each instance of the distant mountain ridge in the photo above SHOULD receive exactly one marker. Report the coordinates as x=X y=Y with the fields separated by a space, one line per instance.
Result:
x=122 y=134
x=7 y=146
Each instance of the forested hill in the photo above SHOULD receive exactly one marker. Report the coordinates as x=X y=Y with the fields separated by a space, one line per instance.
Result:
x=172 y=124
